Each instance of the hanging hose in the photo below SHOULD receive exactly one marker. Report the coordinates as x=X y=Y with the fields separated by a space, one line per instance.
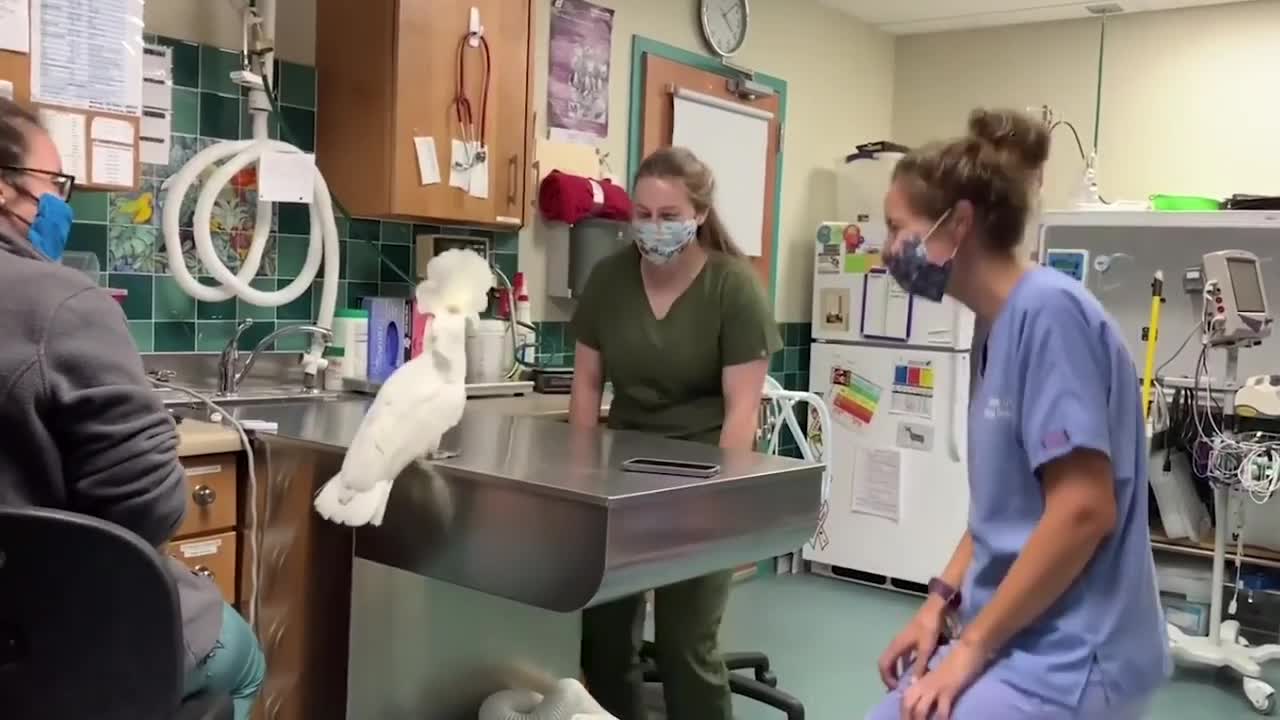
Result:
x=323 y=247
x=235 y=156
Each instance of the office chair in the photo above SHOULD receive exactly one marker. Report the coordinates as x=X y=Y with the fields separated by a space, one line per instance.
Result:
x=763 y=687
x=90 y=626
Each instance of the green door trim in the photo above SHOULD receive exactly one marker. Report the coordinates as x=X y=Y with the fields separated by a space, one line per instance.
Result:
x=642 y=46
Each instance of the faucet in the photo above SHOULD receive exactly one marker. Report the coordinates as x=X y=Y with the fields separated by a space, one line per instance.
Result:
x=229 y=378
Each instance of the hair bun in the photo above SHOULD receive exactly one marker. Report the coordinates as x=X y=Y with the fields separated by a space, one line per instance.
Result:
x=1014 y=134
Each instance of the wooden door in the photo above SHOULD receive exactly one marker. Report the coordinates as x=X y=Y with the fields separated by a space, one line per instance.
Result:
x=430 y=33
x=661 y=78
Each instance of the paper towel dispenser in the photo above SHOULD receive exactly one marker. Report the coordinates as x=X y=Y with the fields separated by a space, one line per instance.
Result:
x=572 y=252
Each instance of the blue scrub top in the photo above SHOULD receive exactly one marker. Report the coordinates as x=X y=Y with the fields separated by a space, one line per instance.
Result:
x=1058 y=378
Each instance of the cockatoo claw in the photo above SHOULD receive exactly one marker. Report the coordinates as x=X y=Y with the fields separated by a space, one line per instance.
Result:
x=441 y=455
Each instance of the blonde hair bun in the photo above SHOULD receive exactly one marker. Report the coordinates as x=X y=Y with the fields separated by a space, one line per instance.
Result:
x=1016 y=135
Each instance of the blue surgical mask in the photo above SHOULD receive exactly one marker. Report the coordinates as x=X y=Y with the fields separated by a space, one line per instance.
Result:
x=913 y=270
x=662 y=242
x=49 y=230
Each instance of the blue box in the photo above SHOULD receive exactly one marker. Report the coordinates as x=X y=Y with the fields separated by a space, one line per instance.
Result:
x=387 y=332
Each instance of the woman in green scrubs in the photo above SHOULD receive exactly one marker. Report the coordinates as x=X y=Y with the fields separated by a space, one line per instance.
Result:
x=680 y=325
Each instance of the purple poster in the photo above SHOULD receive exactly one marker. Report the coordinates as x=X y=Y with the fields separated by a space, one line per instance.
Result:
x=578 y=71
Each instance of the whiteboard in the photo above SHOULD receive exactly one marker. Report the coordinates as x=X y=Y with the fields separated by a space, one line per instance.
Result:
x=733 y=140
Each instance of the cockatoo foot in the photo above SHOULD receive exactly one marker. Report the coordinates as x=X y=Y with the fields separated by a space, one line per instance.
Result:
x=437 y=455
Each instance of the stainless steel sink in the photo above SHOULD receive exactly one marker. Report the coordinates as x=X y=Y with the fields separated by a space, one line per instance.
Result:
x=247 y=396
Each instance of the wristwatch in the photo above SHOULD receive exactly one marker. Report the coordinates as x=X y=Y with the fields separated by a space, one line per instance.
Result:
x=951 y=600
x=943 y=590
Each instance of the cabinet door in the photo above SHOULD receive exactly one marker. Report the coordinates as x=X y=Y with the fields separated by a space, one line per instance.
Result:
x=431 y=33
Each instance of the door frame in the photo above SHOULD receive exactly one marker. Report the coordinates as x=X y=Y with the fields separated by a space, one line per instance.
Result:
x=643 y=46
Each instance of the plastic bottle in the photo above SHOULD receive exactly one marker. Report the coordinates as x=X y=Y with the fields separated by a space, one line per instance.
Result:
x=524 y=318
x=351 y=333
x=336 y=371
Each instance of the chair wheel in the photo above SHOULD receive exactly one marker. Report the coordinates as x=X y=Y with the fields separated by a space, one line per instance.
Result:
x=765 y=677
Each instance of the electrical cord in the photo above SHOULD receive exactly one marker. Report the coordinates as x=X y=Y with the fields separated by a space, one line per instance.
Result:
x=255 y=530
x=1079 y=146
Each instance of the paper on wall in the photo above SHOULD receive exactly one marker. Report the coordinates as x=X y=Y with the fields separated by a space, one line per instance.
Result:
x=15 y=26
x=87 y=55
x=428 y=161
x=112 y=165
x=157 y=105
x=877 y=484
x=68 y=131
x=570 y=158
x=287 y=177
x=153 y=137
x=111 y=130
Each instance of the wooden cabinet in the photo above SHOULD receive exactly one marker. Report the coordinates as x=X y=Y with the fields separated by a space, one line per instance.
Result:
x=213 y=556
x=387 y=73
x=211 y=494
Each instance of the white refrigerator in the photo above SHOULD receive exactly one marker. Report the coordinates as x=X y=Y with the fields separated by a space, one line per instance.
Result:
x=894 y=370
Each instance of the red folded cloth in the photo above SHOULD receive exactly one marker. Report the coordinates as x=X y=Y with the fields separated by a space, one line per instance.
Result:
x=572 y=198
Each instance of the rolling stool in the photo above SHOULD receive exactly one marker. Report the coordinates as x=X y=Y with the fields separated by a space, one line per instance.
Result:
x=763 y=687
x=90 y=624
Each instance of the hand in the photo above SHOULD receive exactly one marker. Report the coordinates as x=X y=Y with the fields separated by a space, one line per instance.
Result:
x=935 y=695
x=919 y=639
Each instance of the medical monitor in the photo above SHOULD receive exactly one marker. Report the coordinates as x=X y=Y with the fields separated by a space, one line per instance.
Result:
x=1236 y=309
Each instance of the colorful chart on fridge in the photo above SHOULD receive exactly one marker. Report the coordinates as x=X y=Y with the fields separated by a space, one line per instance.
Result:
x=913 y=388
x=854 y=398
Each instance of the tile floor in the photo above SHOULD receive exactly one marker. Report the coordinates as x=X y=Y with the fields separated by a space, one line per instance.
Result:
x=823 y=637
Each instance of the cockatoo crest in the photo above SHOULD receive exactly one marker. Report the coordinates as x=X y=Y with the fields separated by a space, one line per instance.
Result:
x=458 y=282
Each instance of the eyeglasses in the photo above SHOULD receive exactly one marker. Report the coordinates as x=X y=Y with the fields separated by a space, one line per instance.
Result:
x=62 y=182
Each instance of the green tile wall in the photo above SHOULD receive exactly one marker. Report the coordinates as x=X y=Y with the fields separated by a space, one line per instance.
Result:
x=123 y=229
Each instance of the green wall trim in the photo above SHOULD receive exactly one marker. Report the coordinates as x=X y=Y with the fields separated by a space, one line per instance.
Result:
x=642 y=46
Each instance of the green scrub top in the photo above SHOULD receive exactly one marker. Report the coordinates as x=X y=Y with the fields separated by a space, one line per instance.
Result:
x=666 y=373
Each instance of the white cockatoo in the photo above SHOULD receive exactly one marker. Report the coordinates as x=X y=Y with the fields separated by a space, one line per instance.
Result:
x=420 y=402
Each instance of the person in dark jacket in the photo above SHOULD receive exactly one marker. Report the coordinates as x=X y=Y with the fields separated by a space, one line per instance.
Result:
x=83 y=430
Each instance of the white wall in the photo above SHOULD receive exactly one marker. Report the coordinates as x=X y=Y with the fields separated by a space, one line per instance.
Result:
x=840 y=85
x=1189 y=102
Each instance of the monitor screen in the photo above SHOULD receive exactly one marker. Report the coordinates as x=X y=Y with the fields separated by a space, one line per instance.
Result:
x=1247 y=284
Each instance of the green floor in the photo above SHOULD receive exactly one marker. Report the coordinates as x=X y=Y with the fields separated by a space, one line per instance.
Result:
x=824 y=636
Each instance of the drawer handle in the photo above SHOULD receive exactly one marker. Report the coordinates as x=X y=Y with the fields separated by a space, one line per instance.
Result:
x=512 y=180
x=203 y=571
x=204 y=496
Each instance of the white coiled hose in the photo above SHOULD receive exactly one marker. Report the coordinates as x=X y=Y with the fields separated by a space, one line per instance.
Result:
x=323 y=247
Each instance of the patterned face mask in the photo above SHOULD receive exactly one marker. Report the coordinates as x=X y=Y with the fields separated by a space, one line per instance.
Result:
x=662 y=242
x=913 y=270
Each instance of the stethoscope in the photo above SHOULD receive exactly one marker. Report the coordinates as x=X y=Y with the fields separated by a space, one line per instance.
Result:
x=472 y=136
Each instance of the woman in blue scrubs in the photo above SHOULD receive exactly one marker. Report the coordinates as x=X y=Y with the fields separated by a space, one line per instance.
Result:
x=1050 y=598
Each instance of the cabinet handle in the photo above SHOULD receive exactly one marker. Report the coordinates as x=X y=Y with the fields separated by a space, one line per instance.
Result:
x=203 y=571
x=513 y=186
x=204 y=495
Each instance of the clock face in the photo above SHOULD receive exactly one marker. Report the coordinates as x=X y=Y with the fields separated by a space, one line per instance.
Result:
x=724 y=23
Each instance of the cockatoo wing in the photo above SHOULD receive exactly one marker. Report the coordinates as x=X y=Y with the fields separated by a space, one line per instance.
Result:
x=406 y=421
